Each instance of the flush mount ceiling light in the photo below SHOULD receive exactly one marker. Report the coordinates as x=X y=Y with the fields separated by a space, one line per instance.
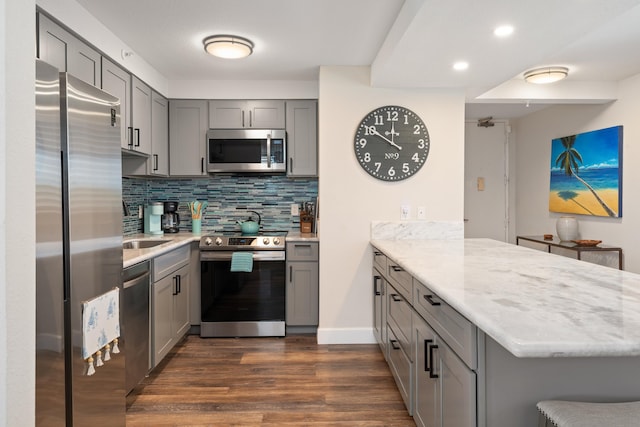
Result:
x=229 y=47
x=546 y=75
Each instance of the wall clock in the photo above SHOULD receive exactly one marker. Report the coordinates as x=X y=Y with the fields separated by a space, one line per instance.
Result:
x=391 y=143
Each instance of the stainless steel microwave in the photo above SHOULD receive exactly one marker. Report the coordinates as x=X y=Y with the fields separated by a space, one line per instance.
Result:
x=246 y=150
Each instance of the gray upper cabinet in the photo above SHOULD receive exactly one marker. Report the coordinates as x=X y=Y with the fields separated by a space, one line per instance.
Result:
x=117 y=82
x=159 y=161
x=188 y=124
x=140 y=116
x=302 y=138
x=66 y=52
x=242 y=114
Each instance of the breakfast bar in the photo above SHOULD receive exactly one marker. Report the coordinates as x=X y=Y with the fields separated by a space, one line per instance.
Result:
x=547 y=327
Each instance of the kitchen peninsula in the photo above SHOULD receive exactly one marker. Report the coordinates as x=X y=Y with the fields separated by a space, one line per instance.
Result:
x=544 y=327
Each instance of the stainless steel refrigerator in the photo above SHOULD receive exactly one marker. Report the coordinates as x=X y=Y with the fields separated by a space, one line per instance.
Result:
x=78 y=247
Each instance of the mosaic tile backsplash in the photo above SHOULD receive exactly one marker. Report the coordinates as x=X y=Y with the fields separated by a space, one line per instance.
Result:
x=269 y=195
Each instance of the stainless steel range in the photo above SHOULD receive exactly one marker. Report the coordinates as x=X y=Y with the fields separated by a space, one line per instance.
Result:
x=243 y=285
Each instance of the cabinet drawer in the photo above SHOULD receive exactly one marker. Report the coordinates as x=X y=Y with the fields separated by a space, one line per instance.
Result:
x=399 y=315
x=458 y=332
x=302 y=251
x=400 y=369
x=400 y=279
x=379 y=261
x=171 y=261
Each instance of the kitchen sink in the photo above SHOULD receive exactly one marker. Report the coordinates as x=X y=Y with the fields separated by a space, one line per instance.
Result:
x=143 y=244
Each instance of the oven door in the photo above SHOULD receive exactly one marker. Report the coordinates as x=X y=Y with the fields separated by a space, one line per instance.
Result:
x=242 y=304
x=246 y=150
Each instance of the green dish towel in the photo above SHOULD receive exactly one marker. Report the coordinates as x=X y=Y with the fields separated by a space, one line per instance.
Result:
x=242 y=261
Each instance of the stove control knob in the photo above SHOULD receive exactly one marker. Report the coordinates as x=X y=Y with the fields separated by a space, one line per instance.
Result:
x=265 y=240
x=218 y=241
x=276 y=240
x=208 y=241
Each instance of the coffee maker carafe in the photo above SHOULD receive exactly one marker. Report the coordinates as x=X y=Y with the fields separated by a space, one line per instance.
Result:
x=170 y=218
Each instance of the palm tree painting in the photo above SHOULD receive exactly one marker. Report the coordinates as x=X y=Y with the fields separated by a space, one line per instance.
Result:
x=586 y=173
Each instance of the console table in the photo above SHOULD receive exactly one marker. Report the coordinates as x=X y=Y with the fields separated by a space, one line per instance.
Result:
x=555 y=242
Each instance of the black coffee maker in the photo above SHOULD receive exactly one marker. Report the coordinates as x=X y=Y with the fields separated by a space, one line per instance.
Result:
x=170 y=217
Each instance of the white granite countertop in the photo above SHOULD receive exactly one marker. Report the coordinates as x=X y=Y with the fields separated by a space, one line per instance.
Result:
x=297 y=236
x=532 y=303
x=174 y=240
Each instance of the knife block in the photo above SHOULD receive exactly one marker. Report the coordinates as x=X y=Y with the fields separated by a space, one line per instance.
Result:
x=306 y=222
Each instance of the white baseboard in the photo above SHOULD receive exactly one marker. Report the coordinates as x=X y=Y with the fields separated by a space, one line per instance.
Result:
x=346 y=336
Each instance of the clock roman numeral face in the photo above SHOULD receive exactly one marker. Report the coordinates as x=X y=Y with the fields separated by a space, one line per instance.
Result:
x=391 y=143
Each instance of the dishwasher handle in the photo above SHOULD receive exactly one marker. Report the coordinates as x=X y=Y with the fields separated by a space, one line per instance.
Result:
x=136 y=280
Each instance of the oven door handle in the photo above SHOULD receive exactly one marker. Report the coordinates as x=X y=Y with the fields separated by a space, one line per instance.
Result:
x=257 y=256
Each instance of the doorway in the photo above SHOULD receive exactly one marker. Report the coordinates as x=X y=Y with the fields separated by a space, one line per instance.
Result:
x=486 y=180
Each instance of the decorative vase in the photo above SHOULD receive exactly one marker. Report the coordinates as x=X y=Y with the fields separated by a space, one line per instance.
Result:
x=567 y=228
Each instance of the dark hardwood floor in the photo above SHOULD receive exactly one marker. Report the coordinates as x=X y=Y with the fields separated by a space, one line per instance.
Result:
x=288 y=381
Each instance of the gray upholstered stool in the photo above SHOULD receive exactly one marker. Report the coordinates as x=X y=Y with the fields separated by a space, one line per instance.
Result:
x=562 y=413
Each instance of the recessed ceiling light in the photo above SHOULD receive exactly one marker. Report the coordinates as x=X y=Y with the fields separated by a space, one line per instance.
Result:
x=460 y=65
x=228 y=47
x=503 y=31
x=546 y=75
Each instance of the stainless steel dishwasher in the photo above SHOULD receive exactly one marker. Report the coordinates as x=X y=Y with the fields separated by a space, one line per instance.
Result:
x=135 y=322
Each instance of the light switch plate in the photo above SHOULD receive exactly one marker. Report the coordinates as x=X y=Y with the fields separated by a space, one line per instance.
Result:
x=405 y=212
x=140 y=211
x=422 y=212
x=295 y=209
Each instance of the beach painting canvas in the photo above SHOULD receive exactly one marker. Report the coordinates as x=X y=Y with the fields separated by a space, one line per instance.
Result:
x=586 y=173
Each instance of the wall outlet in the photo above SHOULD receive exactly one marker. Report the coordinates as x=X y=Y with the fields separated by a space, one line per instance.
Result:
x=405 y=212
x=140 y=212
x=295 y=209
x=422 y=212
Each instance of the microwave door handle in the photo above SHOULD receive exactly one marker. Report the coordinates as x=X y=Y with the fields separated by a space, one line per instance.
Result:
x=269 y=150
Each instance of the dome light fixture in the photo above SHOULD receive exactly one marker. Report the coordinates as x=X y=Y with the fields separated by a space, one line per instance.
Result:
x=227 y=46
x=546 y=75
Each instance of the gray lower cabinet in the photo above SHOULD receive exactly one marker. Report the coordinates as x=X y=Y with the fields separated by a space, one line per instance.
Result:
x=170 y=301
x=302 y=284
x=117 y=82
x=244 y=114
x=444 y=388
x=380 y=289
x=188 y=125
x=302 y=138
x=431 y=349
x=67 y=52
x=399 y=345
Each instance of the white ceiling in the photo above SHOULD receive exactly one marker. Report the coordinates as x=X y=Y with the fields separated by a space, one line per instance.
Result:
x=408 y=43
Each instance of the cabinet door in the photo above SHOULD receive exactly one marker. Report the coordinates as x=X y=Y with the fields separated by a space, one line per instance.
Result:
x=117 y=82
x=159 y=135
x=426 y=392
x=188 y=124
x=228 y=114
x=163 y=296
x=458 y=389
x=302 y=294
x=241 y=114
x=302 y=138
x=380 y=310
x=53 y=43
x=66 y=52
x=84 y=63
x=141 y=115
x=181 y=302
x=266 y=114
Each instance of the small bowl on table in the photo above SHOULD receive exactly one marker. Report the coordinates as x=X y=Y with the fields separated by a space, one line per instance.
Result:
x=587 y=242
